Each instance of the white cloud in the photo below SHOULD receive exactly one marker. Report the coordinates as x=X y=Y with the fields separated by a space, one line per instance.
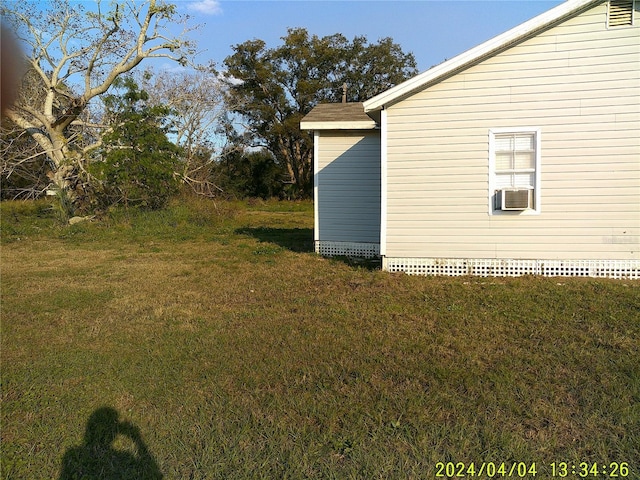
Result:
x=207 y=7
x=172 y=68
x=229 y=79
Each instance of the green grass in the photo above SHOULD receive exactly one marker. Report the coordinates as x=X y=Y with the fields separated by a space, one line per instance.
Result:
x=229 y=350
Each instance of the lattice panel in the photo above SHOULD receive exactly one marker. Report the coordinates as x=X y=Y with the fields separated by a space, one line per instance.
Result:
x=347 y=249
x=629 y=269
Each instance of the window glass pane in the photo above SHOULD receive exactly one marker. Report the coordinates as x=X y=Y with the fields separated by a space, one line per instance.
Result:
x=504 y=181
x=525 y=160
x=524 y=180
x=525 y=142
x=504 y=161
x=504 y=143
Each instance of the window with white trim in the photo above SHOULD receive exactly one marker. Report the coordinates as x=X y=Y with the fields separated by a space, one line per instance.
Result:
x=514 y=162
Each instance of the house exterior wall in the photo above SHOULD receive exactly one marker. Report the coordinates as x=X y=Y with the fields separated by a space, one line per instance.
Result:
x=579 y=84
x=347 y=192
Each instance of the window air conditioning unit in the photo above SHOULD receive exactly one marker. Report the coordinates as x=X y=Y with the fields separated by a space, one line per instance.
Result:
x=512 y=199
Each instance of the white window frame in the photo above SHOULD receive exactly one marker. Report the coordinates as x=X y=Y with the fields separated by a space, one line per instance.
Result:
x=537 y=204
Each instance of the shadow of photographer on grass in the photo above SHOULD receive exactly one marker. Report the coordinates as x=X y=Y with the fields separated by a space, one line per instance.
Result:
x=97 y=457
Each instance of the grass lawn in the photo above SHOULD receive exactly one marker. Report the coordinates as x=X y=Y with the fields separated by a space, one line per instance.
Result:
x=208 y=342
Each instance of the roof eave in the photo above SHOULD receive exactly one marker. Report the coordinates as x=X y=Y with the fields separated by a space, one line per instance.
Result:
x=332 y=125
x=478 y=53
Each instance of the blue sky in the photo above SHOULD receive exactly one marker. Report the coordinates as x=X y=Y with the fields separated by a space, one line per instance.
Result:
x=433 y=30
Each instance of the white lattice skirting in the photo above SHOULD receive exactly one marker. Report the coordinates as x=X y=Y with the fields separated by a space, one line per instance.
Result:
x=347 y=249
x=628 y=269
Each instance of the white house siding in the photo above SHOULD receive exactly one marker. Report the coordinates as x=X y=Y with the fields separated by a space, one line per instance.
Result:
x=579 y=83
x=348 y=189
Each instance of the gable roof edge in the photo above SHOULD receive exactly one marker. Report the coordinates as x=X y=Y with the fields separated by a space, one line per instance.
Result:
x=484 y=50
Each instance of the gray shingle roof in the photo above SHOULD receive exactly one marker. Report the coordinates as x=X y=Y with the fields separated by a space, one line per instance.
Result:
x=337 y=116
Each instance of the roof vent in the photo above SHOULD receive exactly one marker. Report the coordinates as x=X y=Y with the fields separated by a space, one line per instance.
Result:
x=620 y=13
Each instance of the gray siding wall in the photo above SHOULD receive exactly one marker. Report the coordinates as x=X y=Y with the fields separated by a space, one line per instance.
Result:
x=348 y=183
x=579 y=82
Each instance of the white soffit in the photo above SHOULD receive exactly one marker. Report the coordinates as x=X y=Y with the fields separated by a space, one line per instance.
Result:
x=338 y=125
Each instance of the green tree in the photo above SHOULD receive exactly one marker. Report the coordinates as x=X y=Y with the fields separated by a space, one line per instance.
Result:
x=139 y=160
x=250 y=174
x=273 y=88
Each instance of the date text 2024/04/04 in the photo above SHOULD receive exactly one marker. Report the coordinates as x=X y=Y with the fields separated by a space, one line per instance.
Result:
x=531 y=470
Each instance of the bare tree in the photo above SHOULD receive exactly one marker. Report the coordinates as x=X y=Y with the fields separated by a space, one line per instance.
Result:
x=76 y=55
x=197 y=101
x=23 y=166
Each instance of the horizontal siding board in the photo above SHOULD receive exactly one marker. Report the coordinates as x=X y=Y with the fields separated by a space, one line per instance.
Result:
x=464 y=125
x=554 y=68
x=403 y=174
x=411 y=135
x=498 y=231
x=586 y=186
x=466 y=247
x=338 y=216
x=355 y=156
x=553 y=115
x=470 y=94
x=513 y=95
x=340 y=232
x=558 y=82
x=520 y=119
x=342 y=236
x=550 y=93
x=509 y=104
x=602 y=142
x=597 y=55
x=514 y=251
x=617 y=194
x=578 y=87
x=336 y=197
x=576 y=207
x=529 y=228
x=499 y=235
x=339 y=195
x=467 y=189
x=459 y=244
x=521 y=248
x=431 y=200
x=433 y=214
x=572 y=160
x=435 y=211
x=562 y=161
x=461 y=176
